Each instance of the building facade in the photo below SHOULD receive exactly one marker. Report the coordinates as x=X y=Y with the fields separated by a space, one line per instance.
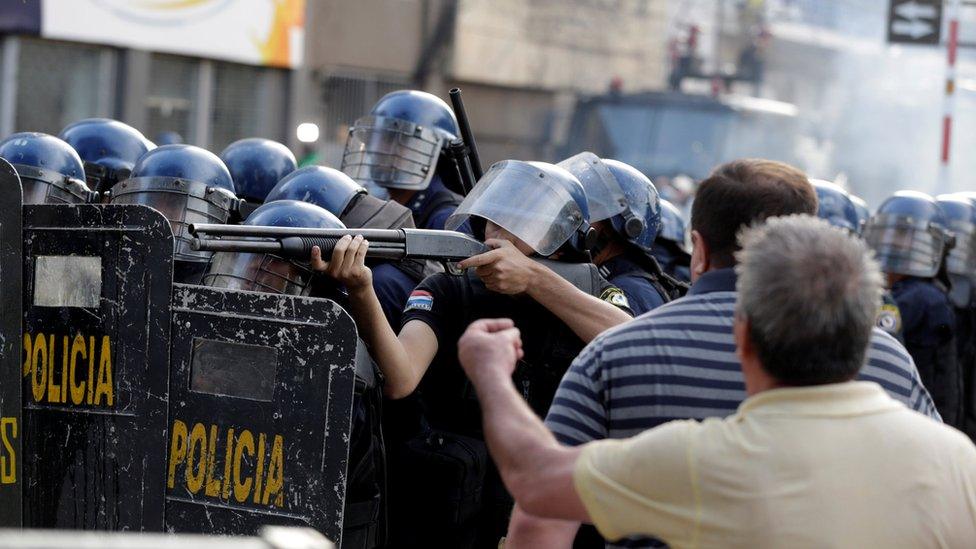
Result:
x=520 y=64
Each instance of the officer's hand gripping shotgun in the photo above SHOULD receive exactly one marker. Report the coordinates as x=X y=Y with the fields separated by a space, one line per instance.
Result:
x=297 y=243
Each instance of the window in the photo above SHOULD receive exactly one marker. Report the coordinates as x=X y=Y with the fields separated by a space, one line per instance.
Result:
x=169 y=101
x=247 y=102
x=57 y=84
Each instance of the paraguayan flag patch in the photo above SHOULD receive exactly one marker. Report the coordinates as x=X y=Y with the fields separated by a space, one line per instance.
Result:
x=419 y=299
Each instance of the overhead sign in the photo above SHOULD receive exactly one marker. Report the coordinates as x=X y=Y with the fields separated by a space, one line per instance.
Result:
x=257 y=32
x=914 y=21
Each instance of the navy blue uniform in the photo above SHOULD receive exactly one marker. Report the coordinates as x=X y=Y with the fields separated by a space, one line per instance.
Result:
x=928 y=327
x=431 y=207
x=628 y=275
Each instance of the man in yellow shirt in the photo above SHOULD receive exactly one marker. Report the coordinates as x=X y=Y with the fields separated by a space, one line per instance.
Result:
x=811 y=458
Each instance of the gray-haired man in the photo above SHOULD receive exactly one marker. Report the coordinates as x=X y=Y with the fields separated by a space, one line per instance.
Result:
x=811 y=458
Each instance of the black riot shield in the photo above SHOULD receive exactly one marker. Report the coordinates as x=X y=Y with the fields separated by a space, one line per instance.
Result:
x=10 y=316
x=97 y=283
x=260 y=408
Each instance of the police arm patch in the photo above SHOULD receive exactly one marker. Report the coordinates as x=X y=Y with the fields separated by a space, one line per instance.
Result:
x=889 y=319
x=420 y=300
x=615 y=296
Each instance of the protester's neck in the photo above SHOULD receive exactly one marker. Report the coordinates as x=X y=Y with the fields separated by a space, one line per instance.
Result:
x=756 y=378
x=758 y=385
x=712 y=269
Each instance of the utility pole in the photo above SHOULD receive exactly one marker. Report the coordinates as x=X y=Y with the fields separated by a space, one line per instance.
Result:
x=949 y=102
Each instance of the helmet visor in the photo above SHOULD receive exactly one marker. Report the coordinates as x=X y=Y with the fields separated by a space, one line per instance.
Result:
x=524 y=201
x=181 y=202
x=962 y=256
x=905 y=247
x=604 y=197
x=391 y=153
x=257 y=273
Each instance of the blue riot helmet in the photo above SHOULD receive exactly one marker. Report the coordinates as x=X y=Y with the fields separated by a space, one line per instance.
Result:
x=256 y=165
x=540 y=203
x=108 y=148
x=669 y=247
x=643 y=204
x=673 y=226
x=325 y=187
x=186 y=184
x=835 y=206
x=265 y=272
x=619 y=193
x=863 y=212
x=909 y=234
x=169 y=138
x=397 y=145
x=960 y=214
x=338 y=193
x=49 y=169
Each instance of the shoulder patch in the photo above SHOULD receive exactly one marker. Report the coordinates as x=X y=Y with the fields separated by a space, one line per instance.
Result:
x=889 y=319
x=421 y=300
x=615 y=296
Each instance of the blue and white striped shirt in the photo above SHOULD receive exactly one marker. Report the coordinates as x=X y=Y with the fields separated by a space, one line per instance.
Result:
x=678 y=362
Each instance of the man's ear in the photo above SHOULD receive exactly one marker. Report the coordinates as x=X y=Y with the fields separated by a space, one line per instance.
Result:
x=700 y=255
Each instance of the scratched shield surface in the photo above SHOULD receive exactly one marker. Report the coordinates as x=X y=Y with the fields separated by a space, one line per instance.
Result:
x=97 y=283
x=260 y=409
x=11 y=311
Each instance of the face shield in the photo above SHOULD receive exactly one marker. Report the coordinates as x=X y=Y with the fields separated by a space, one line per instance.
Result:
x=604 y=197
x=526 y=202
x=391 y=153
x=182 y=202
x=904 y=246
x=258 y=273
x=962 y=256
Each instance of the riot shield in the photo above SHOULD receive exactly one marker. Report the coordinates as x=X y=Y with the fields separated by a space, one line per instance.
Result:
x=260 y=408
x=97 y=283
x=10 y=317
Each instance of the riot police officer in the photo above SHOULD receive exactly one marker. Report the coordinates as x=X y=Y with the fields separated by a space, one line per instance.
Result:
x=837 y=206
x=669 y=245
x=909 y=235
x=108 y=148
x=961 y=268
x=364 y=515
x=443 y=488
x=50 y=170
x=256 y=165
x=626 y=213
x=186 y=184
x=349 y=201
x=400 y=148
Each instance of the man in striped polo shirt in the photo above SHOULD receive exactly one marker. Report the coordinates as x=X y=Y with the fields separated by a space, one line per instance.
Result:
x=678 y=361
